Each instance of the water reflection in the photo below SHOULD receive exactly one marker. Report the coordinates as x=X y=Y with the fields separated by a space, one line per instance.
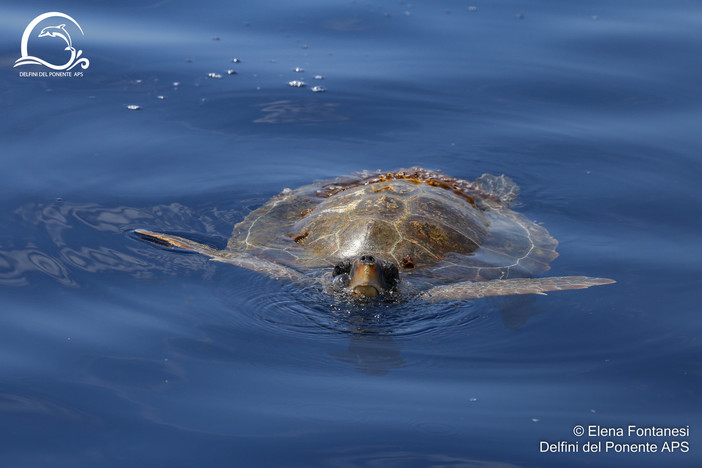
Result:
x=516 y=310
x=28 y=404
x=369 y=337
x=372 y=354
x=62 y=241
x=134 y=372
x=374 y=341
x=16 y=264
x=287 y=111
x=381 y=455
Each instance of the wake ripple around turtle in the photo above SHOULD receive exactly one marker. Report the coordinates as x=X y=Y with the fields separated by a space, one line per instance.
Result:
x=300 y=311
x=60 y=241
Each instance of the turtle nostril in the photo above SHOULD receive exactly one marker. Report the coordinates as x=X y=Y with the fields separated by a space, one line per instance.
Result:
x=368 y=259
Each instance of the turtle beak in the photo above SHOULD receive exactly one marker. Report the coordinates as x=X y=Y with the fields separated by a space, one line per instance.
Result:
x=366 y=278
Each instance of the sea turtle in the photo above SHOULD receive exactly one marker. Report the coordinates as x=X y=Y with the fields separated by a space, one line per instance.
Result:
x=411 y=231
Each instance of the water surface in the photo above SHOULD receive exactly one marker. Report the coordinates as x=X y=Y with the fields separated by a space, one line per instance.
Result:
x=114 y=352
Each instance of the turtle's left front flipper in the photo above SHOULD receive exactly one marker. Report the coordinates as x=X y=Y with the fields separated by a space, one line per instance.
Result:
x=168 y=240
x=239 y=259
x=473 y=290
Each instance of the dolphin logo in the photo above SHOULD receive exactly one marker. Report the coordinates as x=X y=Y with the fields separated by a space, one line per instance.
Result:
x=57 y=31
x=52 y=31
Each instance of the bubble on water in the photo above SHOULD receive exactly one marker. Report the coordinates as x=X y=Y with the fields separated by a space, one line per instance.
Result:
x=160 y=97
x=535 y=419
x=299 y=69
x=305 y=46
x=236 y=60
x=176 y=83
x=318 y=77
x=472 y=399
x=216 y=76
x=318 y=89
x=595 y=17
x=407 y=13
x=297 y=84
x=231 y=72
x=133 y=107
x=472 y=9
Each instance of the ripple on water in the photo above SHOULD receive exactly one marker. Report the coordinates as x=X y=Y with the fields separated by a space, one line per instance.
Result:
x=435 y=429
x=15 y=264
x=59 y=243
x=26 y=404
x=370 y=336
x=370 y=456
x=305 y=311
x=135 y=372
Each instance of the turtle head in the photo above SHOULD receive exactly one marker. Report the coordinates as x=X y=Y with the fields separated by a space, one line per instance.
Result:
x=366 y=276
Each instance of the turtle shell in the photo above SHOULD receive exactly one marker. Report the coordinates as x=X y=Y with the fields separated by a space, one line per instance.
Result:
x=429 y=224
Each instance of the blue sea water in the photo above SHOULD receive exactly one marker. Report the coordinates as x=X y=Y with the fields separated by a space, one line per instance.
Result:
x=114 y=352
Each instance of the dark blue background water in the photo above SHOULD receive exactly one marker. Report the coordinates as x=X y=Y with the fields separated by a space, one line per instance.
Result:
x=117 y=353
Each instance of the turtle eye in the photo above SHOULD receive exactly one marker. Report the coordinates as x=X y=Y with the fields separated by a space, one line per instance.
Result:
x=342 y=267
x=391 y=274
x=341 y=281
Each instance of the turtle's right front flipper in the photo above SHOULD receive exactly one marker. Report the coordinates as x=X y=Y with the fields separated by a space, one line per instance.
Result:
x=239 y=259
